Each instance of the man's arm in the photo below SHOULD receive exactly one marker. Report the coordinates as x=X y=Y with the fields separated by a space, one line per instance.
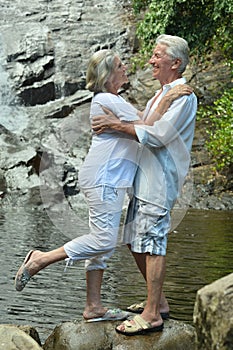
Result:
x=126 y=128
x=103 y=122
x=109 y=121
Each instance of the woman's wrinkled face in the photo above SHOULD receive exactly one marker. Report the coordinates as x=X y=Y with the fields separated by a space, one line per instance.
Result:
x=118 y=77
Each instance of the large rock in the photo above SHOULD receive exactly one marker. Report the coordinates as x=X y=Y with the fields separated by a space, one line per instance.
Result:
x=48 y=44
x=44 y=50
x=213 y=315
x=15 y=338
x=102 y=336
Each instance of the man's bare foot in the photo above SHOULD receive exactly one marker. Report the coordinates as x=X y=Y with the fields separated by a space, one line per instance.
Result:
x=138 y=325
x=138 y=308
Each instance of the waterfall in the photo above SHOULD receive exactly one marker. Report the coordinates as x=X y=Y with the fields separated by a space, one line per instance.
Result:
x=13 y=117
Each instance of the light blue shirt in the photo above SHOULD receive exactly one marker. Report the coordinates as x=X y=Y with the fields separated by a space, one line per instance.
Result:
x=166 y=147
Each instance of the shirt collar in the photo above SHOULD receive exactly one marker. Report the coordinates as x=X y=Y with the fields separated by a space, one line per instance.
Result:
x=174 y=83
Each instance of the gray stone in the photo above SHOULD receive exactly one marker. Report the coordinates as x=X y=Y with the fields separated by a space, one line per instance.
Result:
x=102 y=336
x=20 y=156
x=18 y=179
x=14 y=338
x=213 y=315
x=3 y=185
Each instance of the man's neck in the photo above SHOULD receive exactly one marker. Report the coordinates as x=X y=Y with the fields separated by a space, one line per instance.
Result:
x=170 y=79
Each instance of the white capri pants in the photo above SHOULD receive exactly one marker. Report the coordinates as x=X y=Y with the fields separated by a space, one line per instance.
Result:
x=105 y=208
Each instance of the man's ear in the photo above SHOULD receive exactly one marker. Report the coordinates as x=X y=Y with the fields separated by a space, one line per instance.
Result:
x=176 y=64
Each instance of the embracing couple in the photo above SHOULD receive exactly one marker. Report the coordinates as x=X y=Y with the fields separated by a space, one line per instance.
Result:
x=148 y=150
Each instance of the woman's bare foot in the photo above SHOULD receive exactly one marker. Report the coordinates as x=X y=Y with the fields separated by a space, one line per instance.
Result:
x=94 y=312
x=36 y=261
x=29 y=268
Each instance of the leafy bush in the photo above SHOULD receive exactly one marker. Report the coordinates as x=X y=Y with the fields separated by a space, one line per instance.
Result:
x=219 y=119
x=205 y=24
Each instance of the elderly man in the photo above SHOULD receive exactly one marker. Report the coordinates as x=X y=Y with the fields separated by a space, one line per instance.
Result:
x=163 y=165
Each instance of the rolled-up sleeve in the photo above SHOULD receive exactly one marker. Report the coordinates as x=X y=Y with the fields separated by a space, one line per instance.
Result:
x=142 y=135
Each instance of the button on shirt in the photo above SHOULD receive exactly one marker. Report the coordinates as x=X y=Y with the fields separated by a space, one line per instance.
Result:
x=165 y=158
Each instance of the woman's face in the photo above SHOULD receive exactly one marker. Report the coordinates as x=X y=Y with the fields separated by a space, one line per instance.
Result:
x=118 y=77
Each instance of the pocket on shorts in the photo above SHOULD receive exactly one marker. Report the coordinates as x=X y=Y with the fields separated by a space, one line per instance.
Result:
x=148 y=217
x=112 y=199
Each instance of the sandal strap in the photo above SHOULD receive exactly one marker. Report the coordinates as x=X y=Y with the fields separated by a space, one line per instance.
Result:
x=139 y=323
x=137 y=306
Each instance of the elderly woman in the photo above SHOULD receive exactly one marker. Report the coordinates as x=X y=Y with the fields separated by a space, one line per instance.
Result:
x=108 y=171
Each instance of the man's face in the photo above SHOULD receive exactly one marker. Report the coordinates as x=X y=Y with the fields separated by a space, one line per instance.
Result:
x=162 y=63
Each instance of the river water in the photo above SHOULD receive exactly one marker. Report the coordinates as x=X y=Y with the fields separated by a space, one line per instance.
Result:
x=199 y=252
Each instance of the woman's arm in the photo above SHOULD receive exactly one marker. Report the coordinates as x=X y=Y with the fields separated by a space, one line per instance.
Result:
x=174 y=93
x=110 y=121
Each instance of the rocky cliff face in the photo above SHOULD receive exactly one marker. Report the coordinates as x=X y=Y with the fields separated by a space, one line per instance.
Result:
x=47 y=44
x=44 y=49
x=45 y=132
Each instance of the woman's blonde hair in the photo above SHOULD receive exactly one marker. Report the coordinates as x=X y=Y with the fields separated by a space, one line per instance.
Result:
x=99 y=68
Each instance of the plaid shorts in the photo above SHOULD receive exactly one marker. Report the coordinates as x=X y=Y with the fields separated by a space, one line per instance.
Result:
x=146 y=227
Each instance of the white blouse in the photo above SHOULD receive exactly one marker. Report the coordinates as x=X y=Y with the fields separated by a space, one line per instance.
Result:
x=113 y=158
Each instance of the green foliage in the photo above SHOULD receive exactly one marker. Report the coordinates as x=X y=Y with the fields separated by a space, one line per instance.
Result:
x=205 y=24
x=140 y=5
x=219 y=119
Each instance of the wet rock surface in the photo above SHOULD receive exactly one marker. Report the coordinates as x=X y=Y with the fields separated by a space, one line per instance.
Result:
x=20 y=338
x=44 y=54
x=213 y=315
x=96 y=336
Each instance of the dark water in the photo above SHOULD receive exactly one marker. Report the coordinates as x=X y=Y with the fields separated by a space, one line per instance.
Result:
x=199 y=252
